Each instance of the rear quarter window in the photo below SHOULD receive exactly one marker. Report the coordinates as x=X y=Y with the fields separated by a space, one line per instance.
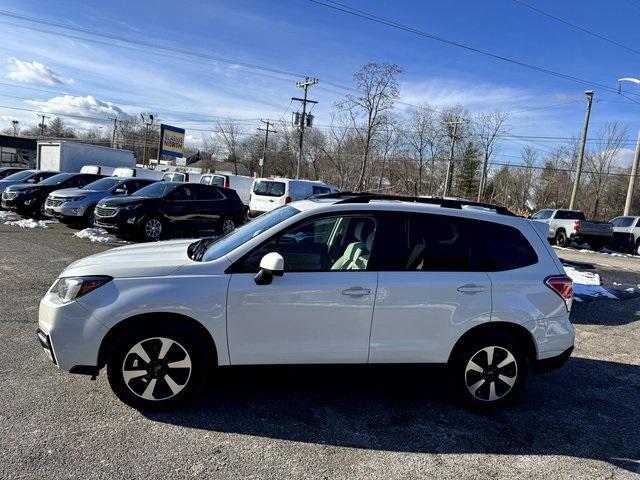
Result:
x=496 y=247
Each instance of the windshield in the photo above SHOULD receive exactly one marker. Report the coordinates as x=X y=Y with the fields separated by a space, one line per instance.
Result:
x=155 y=190
x=270 y=189
x=103 y=184
x=19 y=176
x=57 y=179
x=223 y=245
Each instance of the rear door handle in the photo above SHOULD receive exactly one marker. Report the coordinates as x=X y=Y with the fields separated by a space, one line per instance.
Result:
x=356 y=292
x=470 y=288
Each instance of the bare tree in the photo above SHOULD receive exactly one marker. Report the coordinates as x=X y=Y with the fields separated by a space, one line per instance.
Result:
x=488 y=127
x=378 y=87
x=230 y=133
x=422 y=135
x=610 y=139
x=387 y=143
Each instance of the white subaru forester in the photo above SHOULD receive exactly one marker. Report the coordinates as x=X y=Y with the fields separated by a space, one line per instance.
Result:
x=340 y=279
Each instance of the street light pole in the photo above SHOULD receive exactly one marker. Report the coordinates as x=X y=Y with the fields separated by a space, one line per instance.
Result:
x=583 y=141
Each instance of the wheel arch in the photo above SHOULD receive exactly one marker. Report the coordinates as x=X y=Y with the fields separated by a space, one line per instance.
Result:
x=518 y=332
x=154 y=318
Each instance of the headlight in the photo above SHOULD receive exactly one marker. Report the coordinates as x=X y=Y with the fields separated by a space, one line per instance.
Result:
x=69 y=288
x=131 y=207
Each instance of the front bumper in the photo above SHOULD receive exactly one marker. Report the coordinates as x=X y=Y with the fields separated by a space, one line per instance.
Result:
x=123 y=220
x=18 y=204
x=68 y=333
x=65 y=211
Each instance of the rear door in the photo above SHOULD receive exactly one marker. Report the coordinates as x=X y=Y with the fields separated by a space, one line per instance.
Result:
x=267 y=195
x=180 y=206
x=211 y=206
x=428 y=292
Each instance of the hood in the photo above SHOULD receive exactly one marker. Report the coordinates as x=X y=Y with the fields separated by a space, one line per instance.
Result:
x=23 y=186
x=116 y=201
x=143 y=260
x=70 y=192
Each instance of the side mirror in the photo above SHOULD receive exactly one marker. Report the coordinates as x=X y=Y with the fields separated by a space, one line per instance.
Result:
x=272 y=264
x=119 y=191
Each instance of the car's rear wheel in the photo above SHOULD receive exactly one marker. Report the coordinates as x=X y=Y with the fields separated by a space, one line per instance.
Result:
x=488 y=372
x=561 y=238
x=152 y=229
x=636 y=250
x=157 y=367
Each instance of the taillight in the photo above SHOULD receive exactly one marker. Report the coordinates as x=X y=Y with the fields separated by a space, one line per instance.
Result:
x=226 y=184
x=576 y=225
x=288 y=200
x=563 y=286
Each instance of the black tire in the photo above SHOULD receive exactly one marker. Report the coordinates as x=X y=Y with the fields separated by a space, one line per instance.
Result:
x=90 y=217
x=596 y=246
x=147 y=228
x=561 y=238
x=636 y=249
x=465 y=377
x=137 y=391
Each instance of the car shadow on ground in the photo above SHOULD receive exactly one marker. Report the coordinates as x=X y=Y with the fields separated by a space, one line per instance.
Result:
x=588 y=409
x=607 y=312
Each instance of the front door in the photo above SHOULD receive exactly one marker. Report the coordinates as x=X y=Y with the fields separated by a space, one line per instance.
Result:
x=320 y=310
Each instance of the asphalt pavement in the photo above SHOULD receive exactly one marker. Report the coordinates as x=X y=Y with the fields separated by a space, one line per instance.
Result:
x=324 y=422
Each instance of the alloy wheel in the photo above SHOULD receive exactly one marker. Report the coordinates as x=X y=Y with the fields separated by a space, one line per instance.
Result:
x=156 y=368
x=153 y=228
x=491 y=373
x=228 y=226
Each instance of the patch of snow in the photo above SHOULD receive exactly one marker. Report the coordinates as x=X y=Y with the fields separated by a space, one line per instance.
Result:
x=30 y=223
x=98 y=235
x=7 y=216
x=587 y=284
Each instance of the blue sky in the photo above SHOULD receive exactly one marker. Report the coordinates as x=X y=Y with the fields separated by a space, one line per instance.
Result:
x=299 y=36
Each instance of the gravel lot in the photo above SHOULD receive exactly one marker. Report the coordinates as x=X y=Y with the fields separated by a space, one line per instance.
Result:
x=578 y=422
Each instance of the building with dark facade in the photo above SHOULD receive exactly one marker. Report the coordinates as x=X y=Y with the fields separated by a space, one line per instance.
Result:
x=18 y=151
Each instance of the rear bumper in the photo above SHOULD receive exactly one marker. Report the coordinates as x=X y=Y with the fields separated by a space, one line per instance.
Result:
x=552 y=363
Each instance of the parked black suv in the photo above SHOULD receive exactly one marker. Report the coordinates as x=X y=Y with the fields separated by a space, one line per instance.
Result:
x=29 y=199
x=6 y=171
x=154 y=210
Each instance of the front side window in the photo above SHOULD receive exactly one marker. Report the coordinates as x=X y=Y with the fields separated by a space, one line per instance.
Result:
x=321 y=245
x=182 y=194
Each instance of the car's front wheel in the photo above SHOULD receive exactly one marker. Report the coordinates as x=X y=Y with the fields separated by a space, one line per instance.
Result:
x=152 y=229
x=488 y=372
x=156 y=367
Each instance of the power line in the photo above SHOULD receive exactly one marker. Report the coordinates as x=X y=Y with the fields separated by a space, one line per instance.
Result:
x=577 y=27
x=393 y=24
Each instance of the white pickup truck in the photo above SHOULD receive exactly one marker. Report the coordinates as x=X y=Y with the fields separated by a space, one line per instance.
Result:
x=566 y=226
x=626 y=234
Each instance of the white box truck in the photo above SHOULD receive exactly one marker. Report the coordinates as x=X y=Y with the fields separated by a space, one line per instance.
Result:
x=67 y=156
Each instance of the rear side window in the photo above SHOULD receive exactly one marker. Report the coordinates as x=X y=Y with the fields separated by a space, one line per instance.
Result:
x=569 y=215
x=320 y=190
x=422 y=242
x=206 y=192
x=624 y=222
x=496 y=247
x=269 y=188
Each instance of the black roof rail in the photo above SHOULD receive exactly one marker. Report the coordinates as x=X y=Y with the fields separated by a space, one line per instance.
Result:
x=366 y=197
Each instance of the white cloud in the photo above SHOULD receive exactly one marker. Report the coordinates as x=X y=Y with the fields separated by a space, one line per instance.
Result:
x=34 y=72
x=624 y=157
x=79 y=106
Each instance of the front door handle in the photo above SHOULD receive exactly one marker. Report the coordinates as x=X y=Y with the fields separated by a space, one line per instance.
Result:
x=470 y=288
x=356 y=292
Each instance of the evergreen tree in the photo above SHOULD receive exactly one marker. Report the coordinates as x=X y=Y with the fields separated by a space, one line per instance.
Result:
x=467 y=185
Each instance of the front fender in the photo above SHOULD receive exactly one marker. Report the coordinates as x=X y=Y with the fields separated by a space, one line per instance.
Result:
x=200 y=297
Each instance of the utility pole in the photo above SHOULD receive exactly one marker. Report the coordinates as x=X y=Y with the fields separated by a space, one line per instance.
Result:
x=583 y=141
x=42 y=125
x=113 y=135
x=15 y=124
x=266 y=140
x=146 y=136
x=303 y=119
x=449 y=178
x=632 y=178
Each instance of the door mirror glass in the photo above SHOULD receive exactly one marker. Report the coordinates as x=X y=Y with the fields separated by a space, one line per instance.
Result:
x=120 y=191
x=272 y=264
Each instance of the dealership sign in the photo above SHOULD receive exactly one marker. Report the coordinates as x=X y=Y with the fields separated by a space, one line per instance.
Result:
x=171 y=141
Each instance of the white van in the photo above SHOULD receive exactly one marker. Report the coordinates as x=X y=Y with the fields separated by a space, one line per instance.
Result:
x=240 y=183
x=270 y=193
